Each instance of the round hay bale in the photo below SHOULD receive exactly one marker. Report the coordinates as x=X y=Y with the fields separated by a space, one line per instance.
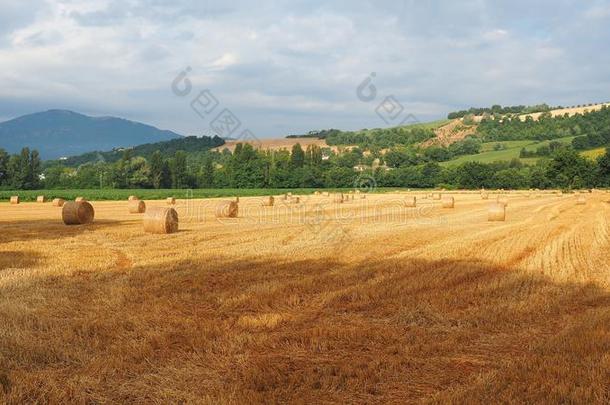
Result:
x=268 y=201
x=496 y=212
x=227 y=209
x=171 y=201
x=411 y=202
x=58 y=202
x=316 y=193
x=79 y=199
x=160 y=220
x=338 y=198
x=581 y=200
x=295 y=200
x=77 y=213
x=484 y=196
x=136 y=206
x=41 y=199
x=15 y=199
x=448 y=202
x=132 y=198
x=326 y=194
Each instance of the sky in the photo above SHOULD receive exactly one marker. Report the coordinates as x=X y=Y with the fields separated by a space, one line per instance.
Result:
x=289 y=67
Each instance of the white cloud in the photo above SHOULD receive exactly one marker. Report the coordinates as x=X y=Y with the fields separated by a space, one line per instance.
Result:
x=289 y=66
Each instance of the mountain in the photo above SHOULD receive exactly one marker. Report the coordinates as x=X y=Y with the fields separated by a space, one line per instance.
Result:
x=57 y=133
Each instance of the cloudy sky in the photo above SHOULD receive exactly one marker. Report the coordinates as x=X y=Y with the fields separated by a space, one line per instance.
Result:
x=287 y=67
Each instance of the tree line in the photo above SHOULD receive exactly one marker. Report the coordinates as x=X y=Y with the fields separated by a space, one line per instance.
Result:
x=246 y=167
x=498 y=109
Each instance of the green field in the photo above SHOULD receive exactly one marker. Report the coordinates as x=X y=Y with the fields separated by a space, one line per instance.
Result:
x=430 y=125
x=512 y=151
x=145 y=194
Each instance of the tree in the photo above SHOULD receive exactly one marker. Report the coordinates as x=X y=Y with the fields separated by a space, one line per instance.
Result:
x=313 y=156
x=4 y=158
x=156 y=169
x=34 y=170
x=206 y=177
x=603 y=163
x=512 y=178
x=567 y=169
x=179 y=172
x=297 y=157
x=474 y=175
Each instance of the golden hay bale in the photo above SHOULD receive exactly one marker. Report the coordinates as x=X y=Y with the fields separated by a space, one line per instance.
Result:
x=581 y=200
x=227 y=209
x=171 y=200
x=15 y=199
x=268 y=201
x=136 y=206
x=338 y=198
x=79 y=199
x=294 y=200
x=316 y=193
x=357 y=191
x=326 y=194
x=132 y=197
x=496 y=212
x=448 y=202
x=58 y=202
x=160 y=220
x=411 y=202
x=484 y=196
x=436 y=196
x=41 y=199
x=77 y=213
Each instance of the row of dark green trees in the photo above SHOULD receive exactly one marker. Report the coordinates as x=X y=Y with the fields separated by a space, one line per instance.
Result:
x=246 y=167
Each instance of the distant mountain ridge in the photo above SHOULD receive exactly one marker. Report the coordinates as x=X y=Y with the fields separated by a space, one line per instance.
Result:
x=57 y=133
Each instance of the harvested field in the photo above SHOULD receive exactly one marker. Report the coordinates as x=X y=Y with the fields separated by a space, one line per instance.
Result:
x=367 y=302
x=276 y=144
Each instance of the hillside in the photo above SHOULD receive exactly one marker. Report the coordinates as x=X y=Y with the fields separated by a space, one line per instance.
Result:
x=450 y=133
x=274 y=144
x=190 y=144
x=570 y=111
x=57 y=133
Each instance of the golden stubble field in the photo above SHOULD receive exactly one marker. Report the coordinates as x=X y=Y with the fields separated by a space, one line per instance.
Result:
x=371 y=302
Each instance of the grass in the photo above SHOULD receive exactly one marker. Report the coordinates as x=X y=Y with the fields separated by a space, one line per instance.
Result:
x=511 y=151
x=430 y=125
x=147 y=194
